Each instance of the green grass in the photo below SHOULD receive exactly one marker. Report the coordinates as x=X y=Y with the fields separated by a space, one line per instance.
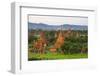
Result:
x=50 y=56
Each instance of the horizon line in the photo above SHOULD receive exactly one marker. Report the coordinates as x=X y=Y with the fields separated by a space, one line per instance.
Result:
x=58 y=25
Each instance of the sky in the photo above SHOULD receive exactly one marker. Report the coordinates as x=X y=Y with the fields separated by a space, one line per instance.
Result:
x=58 y=20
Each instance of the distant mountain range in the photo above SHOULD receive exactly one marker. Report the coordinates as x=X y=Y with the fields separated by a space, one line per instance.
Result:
x=35 y=26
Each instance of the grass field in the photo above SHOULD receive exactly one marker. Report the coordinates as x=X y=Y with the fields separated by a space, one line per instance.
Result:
x=50 y=56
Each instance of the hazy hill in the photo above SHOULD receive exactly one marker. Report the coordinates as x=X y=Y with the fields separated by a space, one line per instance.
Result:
x=56 y=27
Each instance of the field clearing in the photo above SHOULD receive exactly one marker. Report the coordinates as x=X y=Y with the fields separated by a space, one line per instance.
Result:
x=50 y=56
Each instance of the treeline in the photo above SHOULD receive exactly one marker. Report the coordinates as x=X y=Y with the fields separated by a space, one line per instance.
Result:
x=76 y=43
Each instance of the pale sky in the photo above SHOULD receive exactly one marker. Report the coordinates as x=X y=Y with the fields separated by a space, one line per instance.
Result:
x=54 y=20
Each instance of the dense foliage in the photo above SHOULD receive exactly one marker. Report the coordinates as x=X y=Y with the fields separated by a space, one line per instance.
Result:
x=77 y=42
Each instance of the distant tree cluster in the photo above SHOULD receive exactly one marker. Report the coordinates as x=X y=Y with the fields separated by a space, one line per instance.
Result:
x=77 y=42
x=75 y=45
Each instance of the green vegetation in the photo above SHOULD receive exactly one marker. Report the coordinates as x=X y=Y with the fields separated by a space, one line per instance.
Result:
x=50 y=56
x=75 y=46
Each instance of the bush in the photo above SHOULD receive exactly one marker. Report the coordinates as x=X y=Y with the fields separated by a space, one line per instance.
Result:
x=74 y=45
